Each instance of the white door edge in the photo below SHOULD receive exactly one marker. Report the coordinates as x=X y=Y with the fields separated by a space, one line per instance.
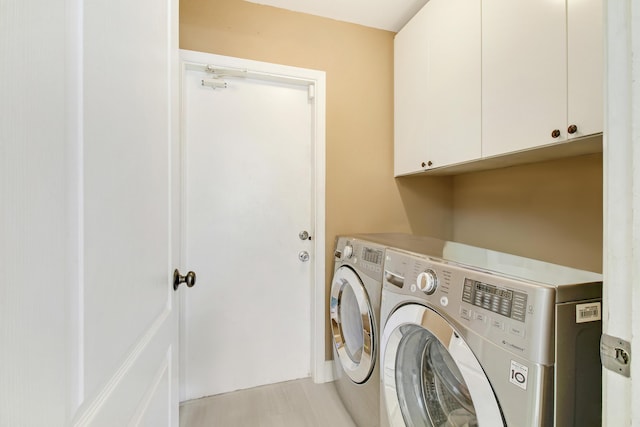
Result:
x=621 y=175
x=292 y=75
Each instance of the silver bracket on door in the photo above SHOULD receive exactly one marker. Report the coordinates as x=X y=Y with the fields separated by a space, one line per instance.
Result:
x=615 y=354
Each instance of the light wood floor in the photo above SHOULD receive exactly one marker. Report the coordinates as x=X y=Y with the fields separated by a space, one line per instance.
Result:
x=299 y=403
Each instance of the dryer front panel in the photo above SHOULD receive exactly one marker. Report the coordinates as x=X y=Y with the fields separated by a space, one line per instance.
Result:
x=430 y=376
x=352 y=325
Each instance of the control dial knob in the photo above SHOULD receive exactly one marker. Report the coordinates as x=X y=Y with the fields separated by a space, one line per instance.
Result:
x=345 y=253
x=427 y=281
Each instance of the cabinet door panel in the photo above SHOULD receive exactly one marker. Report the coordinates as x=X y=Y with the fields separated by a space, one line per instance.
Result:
x=410 y=69
x=585 y=66
x=437 y=87
x=524 y=78
x=453 y=81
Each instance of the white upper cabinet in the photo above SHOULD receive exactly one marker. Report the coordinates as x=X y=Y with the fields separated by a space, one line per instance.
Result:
x=542 y=73
x=585 y=67
x=453 y=81
x=410 y=112
x=437 y=87
x=478 y=79
x=524 y=74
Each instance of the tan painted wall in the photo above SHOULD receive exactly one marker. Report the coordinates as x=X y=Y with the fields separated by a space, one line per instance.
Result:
x=550 y=211
x=361 y=194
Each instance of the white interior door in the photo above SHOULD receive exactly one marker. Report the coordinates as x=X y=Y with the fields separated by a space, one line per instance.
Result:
x=249 y=184
x=88 y=326
x=129 y=328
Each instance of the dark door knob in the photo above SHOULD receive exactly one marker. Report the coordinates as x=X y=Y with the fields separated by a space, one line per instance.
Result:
x=555 y=133
x=189 y=279
x=572 y=129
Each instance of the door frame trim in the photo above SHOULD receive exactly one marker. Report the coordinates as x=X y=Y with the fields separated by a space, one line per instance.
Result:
x=316 y=81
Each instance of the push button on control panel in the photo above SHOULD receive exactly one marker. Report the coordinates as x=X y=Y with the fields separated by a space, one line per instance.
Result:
x=497 y=324
x=480 y=317
x=465 y=313
x=519 y=308
x=517 y=330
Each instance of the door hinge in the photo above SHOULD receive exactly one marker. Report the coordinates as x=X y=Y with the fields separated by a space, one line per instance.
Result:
x=615 y=354
x=312 y=92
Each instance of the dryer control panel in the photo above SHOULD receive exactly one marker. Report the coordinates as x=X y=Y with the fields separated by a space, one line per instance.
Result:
x=367 y=256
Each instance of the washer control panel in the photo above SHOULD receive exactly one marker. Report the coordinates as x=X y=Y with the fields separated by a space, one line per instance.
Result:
x=513 y=314
x=503 y=301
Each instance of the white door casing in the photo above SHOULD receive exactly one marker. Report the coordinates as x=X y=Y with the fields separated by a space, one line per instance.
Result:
x=253 y=168
x=621 y=169
x=90 y=109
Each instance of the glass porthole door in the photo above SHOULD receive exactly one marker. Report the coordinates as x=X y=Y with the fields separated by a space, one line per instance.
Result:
x=430 y=375
x=352 y=325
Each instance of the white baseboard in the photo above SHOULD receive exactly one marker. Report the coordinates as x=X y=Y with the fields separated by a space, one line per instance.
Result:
x=325 y=374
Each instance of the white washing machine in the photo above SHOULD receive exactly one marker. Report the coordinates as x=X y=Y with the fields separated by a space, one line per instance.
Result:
x=472 y=337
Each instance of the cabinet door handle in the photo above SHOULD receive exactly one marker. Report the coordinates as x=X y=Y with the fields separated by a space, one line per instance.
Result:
x=572 y=129
x=423 y=164
x=429 y=163
x=555 y=133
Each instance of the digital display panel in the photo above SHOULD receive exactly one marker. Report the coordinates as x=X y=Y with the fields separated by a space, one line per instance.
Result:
x=372 y=255
x=492 y=290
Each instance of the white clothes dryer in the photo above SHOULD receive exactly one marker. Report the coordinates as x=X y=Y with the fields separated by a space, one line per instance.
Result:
x=472 y=337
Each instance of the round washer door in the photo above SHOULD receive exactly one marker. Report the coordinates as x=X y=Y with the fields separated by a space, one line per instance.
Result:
x=430 y=376
x=352 y=324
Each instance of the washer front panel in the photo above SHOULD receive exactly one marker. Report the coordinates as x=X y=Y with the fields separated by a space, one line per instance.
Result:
x=352 y=324
x=518 y=366
x=430 y=377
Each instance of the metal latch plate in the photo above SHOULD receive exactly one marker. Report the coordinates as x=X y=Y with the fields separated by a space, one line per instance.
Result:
x=615 y=354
